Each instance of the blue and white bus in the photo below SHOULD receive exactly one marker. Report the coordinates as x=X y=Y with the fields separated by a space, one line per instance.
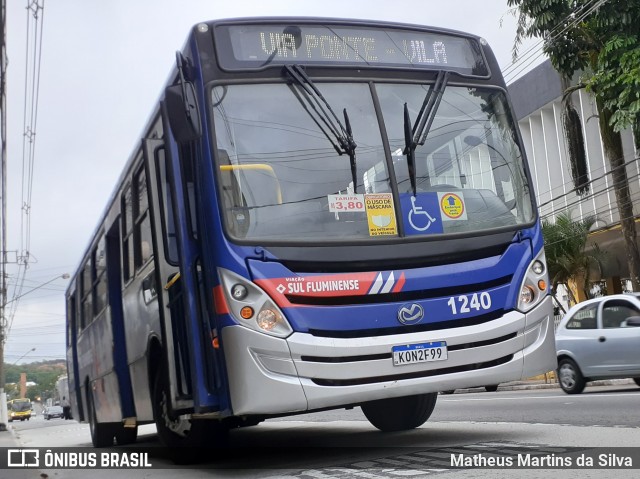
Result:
x=323 y=213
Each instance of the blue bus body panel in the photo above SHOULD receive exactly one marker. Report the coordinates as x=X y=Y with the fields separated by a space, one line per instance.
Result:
x=446 y=293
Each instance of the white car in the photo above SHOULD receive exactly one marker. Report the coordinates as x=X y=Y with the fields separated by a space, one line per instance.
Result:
x=599 y=339
x=53 y=411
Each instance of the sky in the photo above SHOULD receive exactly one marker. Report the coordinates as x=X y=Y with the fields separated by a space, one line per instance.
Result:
x=103 y=66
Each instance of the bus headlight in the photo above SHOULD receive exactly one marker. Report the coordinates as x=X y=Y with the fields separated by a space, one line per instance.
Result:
x=535 y=285
x=244 y=298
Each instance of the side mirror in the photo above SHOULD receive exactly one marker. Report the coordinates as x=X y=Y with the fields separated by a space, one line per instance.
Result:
x=633 y=321
x=182 y=107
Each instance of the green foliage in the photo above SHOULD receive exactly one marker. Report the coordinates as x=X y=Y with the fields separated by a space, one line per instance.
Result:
x=44 y=374
x=619 y=84
x=603 y=44
x=569 y=257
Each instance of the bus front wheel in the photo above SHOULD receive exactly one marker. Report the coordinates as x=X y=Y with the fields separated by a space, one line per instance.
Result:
x=173 y=431
x=400 y=414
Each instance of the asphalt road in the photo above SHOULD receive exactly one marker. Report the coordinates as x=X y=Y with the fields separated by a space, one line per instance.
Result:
x=596 y=406
x=342 y=444
x=608 y=406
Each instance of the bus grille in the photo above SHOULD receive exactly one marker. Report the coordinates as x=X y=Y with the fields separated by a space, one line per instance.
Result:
x=412 y=375
x=415 y=328
x=373 y=357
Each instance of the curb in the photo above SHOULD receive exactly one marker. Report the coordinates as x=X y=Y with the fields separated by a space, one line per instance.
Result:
x=535 y=384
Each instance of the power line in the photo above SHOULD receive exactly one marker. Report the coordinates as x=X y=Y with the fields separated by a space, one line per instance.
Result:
x=578 y=15
x=34 y=28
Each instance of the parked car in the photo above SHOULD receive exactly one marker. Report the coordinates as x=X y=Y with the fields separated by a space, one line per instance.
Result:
x=53 y=411
x=599 y=339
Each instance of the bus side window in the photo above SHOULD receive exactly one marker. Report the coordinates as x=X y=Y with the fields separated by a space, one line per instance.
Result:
x=71 y=318
x=168 y=221
x=100 y=277
x=87 y=293
x=142 y=228
x=127 y=234
x=188 y=156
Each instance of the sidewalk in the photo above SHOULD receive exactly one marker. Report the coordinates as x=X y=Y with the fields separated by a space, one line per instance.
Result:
x=8 y=439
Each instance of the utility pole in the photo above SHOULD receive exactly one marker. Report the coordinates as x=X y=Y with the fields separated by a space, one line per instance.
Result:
x=3 y=212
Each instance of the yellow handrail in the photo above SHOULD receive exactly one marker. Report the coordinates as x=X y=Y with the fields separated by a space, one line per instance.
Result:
x=256 y=166
x=172 y=281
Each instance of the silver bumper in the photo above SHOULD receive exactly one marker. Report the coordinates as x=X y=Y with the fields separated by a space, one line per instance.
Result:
x=269 y=375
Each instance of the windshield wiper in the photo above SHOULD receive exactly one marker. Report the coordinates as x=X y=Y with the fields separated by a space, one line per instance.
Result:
x=417 y=134
x=340 y=136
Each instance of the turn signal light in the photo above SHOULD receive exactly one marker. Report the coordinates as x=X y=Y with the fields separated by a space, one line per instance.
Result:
x=246 y=312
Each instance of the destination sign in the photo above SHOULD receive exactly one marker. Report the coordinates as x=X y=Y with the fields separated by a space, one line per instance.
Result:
x=255 y=46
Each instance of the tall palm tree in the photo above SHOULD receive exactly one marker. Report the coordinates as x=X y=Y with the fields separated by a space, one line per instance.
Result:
x=569 y=258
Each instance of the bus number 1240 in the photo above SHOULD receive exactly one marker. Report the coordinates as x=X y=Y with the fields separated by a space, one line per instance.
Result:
x=468 y=302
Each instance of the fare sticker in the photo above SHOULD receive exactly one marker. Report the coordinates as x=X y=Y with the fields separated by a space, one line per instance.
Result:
x=380 y=214
x=346 y=203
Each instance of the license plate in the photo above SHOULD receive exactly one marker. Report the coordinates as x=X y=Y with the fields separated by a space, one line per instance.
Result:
x=419 y=353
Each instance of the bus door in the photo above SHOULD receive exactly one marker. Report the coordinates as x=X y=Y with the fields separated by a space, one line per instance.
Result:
x=188 y=359
x=75 y=397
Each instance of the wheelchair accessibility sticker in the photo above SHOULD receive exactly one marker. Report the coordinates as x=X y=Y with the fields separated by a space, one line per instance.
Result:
x=422 y=213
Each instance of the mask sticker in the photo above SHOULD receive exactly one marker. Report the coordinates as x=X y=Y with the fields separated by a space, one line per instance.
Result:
x=380 y=214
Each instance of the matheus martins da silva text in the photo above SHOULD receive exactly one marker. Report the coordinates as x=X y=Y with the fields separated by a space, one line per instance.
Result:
x=542 y=461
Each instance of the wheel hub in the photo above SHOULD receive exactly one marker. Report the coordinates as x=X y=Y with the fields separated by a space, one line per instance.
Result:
x=567 y=376
x=180 y=427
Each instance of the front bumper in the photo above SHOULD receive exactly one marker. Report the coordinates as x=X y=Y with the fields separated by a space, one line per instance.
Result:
x=269 y=375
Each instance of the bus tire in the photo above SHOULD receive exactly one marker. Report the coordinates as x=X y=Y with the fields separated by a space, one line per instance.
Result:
x=171 y=431
x=400 y=414
x=126 y=435
x=101 y=433
x=177 y=433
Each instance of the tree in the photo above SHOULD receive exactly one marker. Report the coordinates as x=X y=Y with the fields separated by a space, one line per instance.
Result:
x=569 y=257
x=600 y=39
x=44 y=374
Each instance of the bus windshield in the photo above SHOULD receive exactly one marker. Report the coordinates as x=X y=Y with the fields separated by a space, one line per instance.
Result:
x=296 y=173
x=20 y=406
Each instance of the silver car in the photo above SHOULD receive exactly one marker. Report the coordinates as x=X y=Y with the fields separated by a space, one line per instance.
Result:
x=599 y=339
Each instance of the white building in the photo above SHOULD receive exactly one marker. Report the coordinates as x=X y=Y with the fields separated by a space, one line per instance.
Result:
x=537 y=100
